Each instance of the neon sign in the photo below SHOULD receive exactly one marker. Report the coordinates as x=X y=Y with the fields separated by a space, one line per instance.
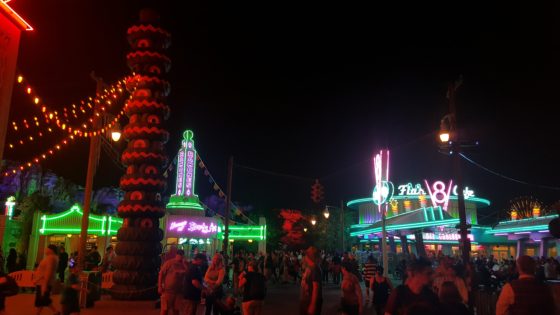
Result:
x=409 y=190
x=430 y=236
x=192 y=226
x=439 y=194
x=185 y=197
x=190 y=171
x=383 y=190
x=10 y=205
x=417 y=190
x=179 y=225
x=185 y=166
x=180 y=172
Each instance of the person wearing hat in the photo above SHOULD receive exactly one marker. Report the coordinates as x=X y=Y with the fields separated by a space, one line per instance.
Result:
x=192 y=288
x=525 y=295
x=311 y=293
x=45 y=279
x=170 y=284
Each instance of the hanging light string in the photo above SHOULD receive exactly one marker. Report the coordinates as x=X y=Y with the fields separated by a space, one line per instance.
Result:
x=507 y=177
x=62 y=144
x=111 y=95
x=59 y=117
x=53 y=116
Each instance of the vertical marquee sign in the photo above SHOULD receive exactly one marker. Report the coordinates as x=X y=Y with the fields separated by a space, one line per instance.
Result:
x=382 y=192
x=186 y=173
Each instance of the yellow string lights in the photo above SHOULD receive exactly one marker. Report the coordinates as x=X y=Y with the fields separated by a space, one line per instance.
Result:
x=52 y=119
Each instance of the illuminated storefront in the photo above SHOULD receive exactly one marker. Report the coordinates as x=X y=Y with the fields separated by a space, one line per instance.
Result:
x=421 y=217
x=63 y=229
x=185 y=224
x=531 y=235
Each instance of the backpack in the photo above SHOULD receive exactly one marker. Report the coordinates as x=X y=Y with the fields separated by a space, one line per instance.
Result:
x=9 y=288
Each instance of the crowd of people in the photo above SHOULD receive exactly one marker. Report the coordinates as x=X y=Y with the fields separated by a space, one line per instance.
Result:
x=430 y=285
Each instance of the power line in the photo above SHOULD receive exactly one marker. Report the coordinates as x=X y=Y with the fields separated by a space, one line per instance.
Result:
x=307 y=179
x=507 y=177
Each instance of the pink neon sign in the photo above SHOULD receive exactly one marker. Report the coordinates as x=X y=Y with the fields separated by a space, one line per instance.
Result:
x=203 y=227
x=190 y=172
x=180 y=172
x=439 y=193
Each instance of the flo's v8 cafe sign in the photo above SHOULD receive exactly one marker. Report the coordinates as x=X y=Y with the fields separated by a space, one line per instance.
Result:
x=417 y=189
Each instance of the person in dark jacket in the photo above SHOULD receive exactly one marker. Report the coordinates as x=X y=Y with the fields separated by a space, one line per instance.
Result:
x=525 y=295
x=11 y=261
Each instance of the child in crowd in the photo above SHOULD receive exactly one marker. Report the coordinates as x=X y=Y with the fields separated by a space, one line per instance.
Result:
x=70 y=299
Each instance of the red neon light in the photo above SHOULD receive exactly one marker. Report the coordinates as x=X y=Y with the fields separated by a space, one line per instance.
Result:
x=15 y=17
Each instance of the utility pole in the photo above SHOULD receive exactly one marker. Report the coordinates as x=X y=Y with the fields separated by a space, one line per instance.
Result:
x=228 y=209
x=456 y=150
x=94 y=148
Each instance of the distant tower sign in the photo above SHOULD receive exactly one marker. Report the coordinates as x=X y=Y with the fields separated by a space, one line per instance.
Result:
x=184 y=197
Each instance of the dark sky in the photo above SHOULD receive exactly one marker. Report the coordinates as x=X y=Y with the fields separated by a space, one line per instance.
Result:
x=313 y=90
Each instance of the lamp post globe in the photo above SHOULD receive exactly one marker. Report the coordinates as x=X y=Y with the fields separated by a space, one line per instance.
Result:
x=326 y=213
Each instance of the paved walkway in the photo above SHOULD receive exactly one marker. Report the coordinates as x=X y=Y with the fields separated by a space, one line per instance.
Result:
x=281 y=300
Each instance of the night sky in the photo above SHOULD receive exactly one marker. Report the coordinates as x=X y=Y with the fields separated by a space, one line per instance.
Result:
x=313 y=90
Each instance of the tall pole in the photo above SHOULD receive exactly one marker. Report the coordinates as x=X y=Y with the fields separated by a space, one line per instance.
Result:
x=94 y=146
x=384 y=243
x=228 y=209
x=342 y=221
x=456 y=148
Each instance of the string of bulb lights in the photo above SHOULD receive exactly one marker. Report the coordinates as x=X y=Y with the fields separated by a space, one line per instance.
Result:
x=51 y=118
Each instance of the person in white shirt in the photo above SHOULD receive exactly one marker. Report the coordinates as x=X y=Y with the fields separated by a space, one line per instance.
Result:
x=45 y=278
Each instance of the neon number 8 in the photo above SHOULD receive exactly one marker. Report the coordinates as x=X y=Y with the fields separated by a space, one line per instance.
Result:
x=439 y=190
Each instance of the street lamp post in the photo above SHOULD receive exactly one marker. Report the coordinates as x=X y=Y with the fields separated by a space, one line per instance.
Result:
x=327 y=214
x=93 y=160
x=449 y=136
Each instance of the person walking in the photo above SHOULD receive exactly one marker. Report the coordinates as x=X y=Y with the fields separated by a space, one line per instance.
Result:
x=311 y=292
x=45 y=278
x=70 y=299
x=11 y=261
x=192 y=287
x=254 y=290
x=525 y=295
x=170 y=284
x=369 y=272
x=380 y=287
x=416 y=295
x=214 y=279
x=108 y=259
x=62 y=263
x=352 y=300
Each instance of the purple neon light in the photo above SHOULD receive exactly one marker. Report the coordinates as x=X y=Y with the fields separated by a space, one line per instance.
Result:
x=522 y=233
x=190 y=172
x=180 y=173
x=501 y=234
x=193 y=226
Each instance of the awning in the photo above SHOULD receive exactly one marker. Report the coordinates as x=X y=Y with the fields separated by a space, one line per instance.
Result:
x=420 y=218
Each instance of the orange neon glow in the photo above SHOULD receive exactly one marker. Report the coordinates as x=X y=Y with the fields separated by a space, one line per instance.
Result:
x=14 y=16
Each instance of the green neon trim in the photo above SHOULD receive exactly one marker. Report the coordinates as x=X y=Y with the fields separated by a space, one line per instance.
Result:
x=406 y=226
x=370 y=199
x=69 y=230
x=185 y=204
x=440 y=212
x=412 y=241
x=519 y=229
x=530 y=219
x=425 y=214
